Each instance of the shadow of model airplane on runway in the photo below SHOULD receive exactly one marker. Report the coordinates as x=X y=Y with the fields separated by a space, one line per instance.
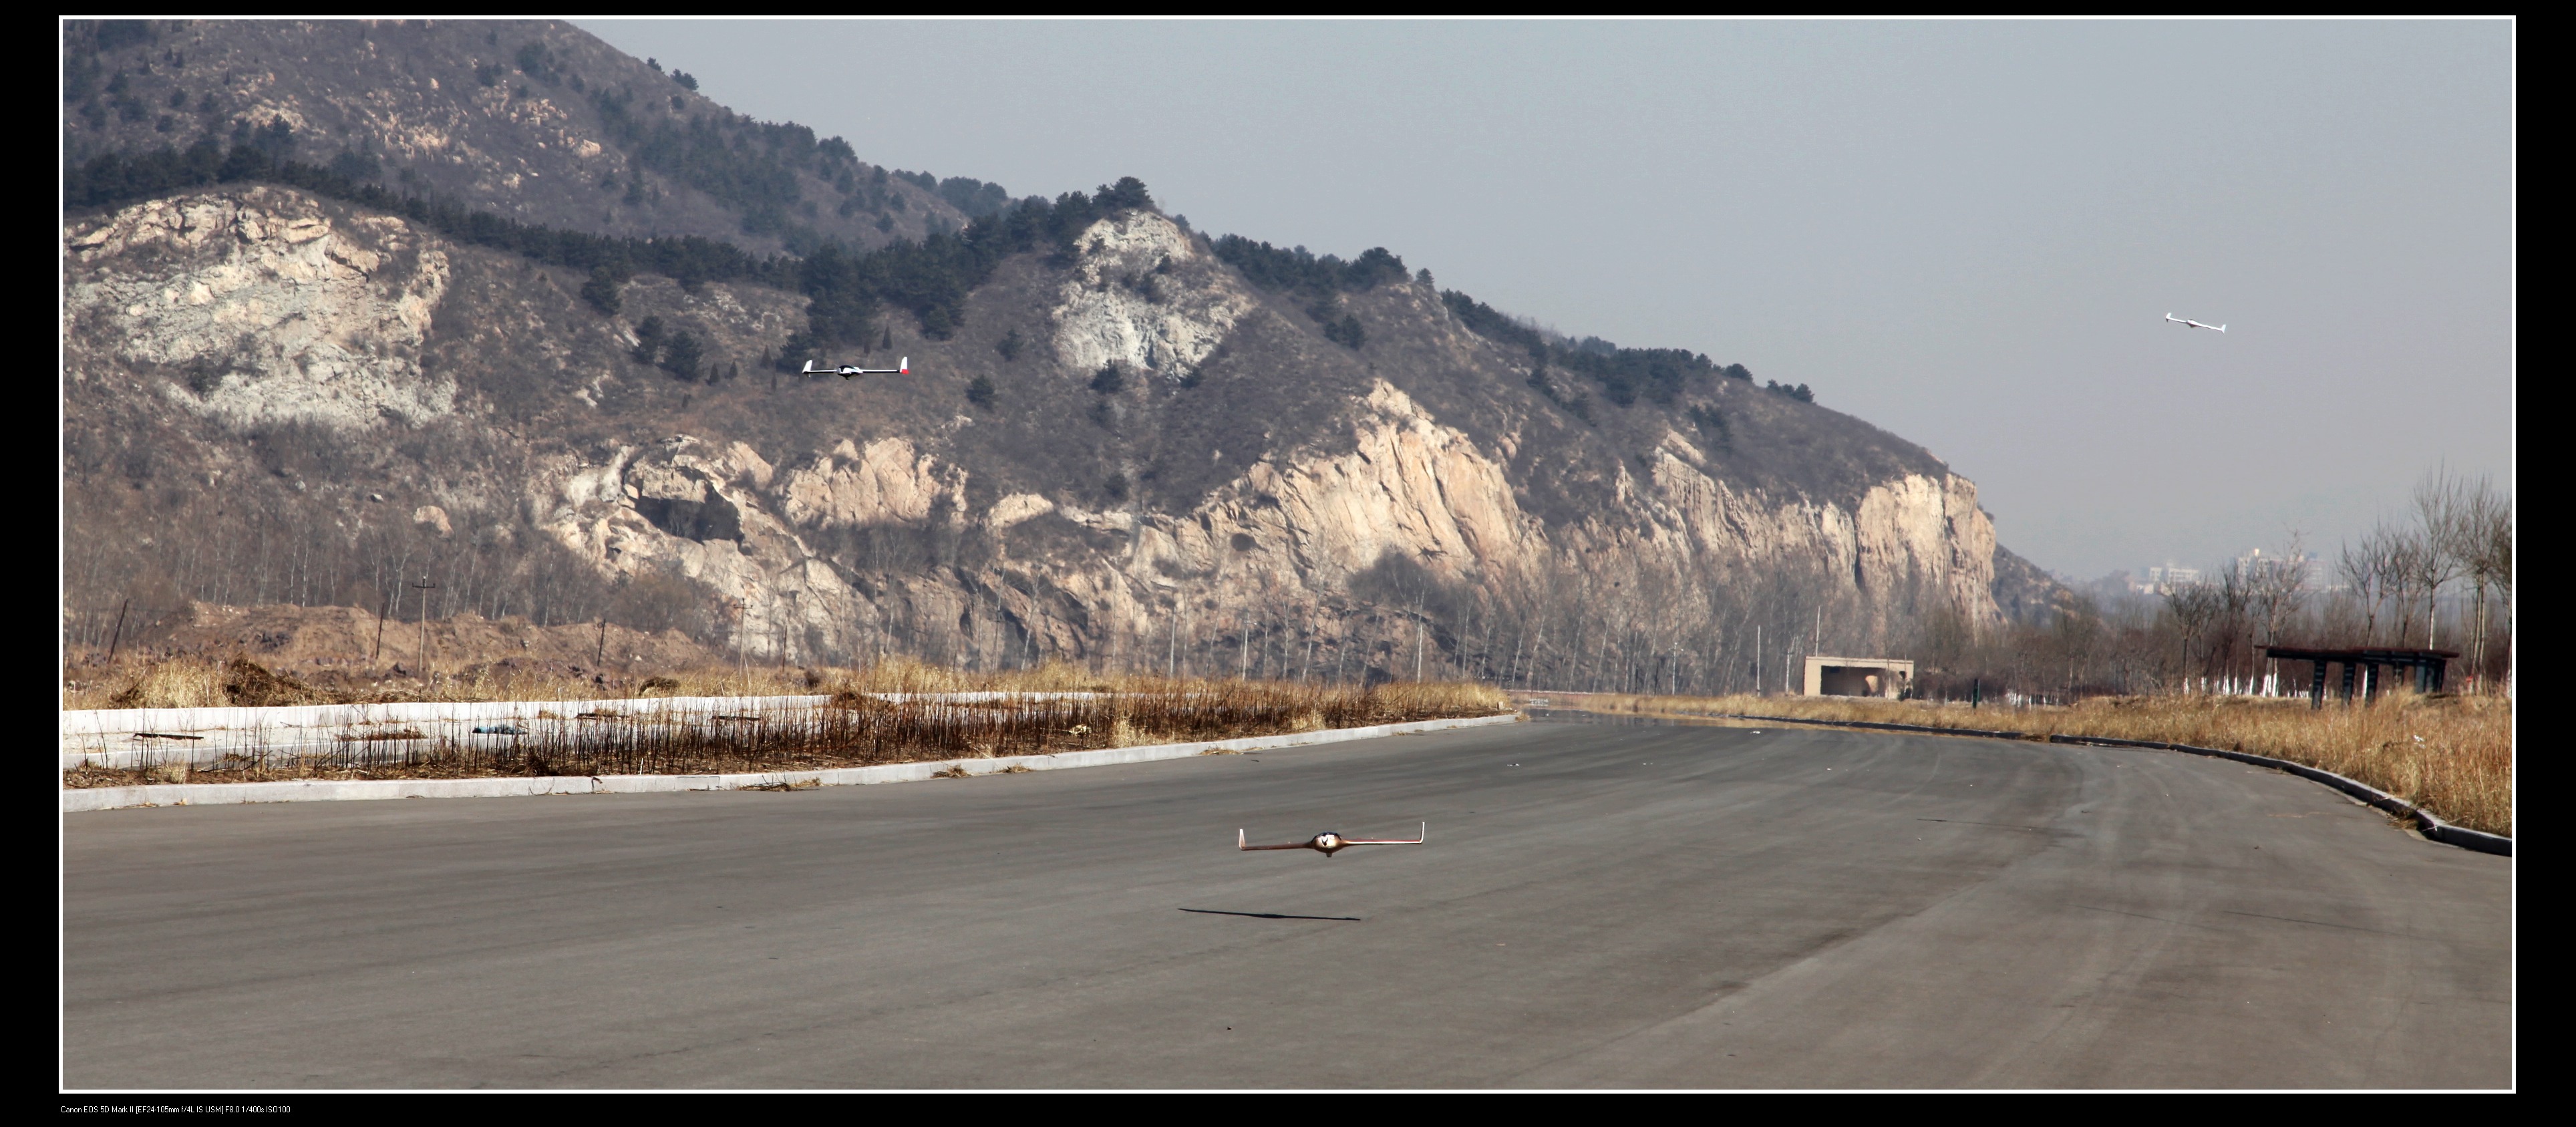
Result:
x=1268 y=915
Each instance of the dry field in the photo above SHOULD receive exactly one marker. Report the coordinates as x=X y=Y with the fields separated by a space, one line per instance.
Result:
x=201 y=680
x=344 y=653
x=856 y=730
x=2450 y=755
x=204 y=682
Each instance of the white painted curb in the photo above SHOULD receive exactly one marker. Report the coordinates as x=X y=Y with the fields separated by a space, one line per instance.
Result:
x=317 y=790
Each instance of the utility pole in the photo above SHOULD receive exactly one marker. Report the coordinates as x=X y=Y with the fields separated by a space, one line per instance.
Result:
x=379 y=651
x=1757 y=661
x=119 y=635
x=599 y=653
x=424 y=587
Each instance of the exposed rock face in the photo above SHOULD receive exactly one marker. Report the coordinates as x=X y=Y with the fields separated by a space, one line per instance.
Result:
x=1283 y=541
x=888 y=482
x=265 y=309
x=1407 y=486
x=1144 y=296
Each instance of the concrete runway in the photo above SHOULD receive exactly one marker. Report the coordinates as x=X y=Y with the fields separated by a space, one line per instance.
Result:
x=1599 y=905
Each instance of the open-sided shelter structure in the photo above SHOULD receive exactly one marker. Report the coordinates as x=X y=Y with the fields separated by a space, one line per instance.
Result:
x=2428 y=667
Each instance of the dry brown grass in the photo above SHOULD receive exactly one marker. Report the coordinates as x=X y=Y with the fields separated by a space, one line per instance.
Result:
x=2450 y=755
x=176 y=683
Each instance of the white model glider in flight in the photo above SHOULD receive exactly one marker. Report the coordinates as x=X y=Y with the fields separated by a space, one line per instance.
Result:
x=2190 y=324
x=1328 y=842
x=847 y=371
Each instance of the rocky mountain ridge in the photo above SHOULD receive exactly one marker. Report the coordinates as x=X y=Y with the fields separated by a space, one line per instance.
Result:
x=1126 y=451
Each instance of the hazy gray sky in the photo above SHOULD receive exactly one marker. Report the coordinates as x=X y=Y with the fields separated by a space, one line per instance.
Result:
x=1967 y=233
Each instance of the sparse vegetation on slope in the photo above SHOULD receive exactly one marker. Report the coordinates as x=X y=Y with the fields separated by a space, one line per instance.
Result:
x=929 y=279
x=533 y=119
x=1625 y=374
x=114 y=178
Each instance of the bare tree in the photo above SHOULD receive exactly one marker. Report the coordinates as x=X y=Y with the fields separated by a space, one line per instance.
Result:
x=2278 y=589
x=2363 y=568
x=2441 y=509
x=2408 y=563
x=2196 y=608
x=2483 y=541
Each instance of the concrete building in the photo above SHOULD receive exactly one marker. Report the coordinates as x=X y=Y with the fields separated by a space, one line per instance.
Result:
x=1858 y=677
x=2164 y=580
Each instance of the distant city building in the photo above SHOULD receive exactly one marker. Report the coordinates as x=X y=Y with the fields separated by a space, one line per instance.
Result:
x=2163 y=580
x=2254 y=562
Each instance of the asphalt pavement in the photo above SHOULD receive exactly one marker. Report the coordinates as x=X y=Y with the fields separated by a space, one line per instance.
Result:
x=1599 y=905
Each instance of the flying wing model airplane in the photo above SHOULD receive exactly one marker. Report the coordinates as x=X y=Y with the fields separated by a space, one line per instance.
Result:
x=2190 y=324
x=847 y=371
x=1329 y=843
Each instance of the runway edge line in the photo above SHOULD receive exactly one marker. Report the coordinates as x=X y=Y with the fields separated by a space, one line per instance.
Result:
x=325 y=790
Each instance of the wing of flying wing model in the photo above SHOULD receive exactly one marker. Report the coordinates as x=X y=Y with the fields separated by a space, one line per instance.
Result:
x=2191 y=324
x=850 y=371
x=1329 y=843
x=1239 y=844
x=1417 y=839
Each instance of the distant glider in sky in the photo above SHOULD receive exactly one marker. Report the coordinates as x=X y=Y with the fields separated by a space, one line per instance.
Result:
x=1328 y=842
x=2189 y=324
x=847 y=371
